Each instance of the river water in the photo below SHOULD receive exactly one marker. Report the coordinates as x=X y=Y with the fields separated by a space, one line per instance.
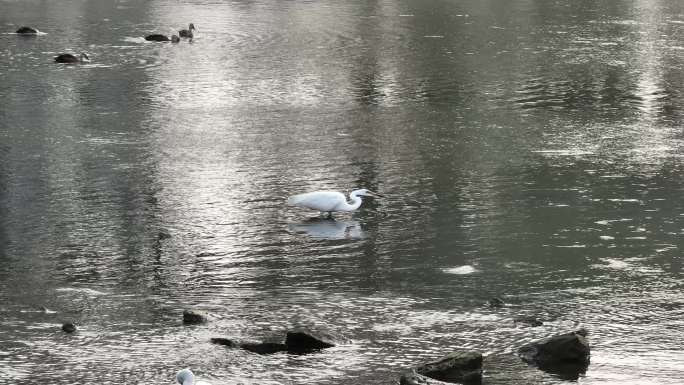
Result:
x=529 y=150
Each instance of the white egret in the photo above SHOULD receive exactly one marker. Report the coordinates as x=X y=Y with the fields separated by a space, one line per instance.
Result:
x=330 y=201
x=187 y=377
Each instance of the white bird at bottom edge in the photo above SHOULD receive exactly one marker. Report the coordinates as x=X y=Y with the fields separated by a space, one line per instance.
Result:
x=330 y=201
x=187 y=377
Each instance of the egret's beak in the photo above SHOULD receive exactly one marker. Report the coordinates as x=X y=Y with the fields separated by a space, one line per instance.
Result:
x=373 y=193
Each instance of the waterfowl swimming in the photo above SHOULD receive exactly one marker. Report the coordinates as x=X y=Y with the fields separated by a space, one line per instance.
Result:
x=27 y=31
x=186 y=377
x=69 y=58
x=187 y=32
x=159 y=37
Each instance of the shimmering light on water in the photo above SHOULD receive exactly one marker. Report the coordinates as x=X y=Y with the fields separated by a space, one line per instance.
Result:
x=530 y=151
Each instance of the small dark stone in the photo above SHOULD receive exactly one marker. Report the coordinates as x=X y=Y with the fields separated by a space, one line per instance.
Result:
x=163 y=234
x=68 y=327
x=27 y=31
x=264 y=347
x=301 y=340
x=496 y=302
x=194 y=317
x=566 y=354
x=528 y=320
x=461 y=367
x=224 y=342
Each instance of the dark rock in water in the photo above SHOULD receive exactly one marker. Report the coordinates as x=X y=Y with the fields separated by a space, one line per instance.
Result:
x=414 y=378
x=157 y=37
x=460 y=367
x=194 y=317
x=68 y=327
x=566 y=354
x=27 y=31
x=163 y=234
x=528 y=320
x=254 y=347
x=224 y=342
x=496 y=302
x=301 y=340
x=264 y=347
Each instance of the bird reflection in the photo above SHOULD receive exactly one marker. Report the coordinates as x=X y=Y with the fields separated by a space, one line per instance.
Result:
x=328 y=228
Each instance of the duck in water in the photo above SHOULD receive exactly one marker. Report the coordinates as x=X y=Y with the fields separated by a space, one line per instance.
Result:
x=159 y=37
x=71 y=59
x=187 y=32
x=27 y=31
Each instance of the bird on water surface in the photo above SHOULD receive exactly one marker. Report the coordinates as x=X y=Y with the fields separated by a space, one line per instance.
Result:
x=330 y=201
x=69 y=58
x=187 y=377
x=159 y=37
x=187 y=32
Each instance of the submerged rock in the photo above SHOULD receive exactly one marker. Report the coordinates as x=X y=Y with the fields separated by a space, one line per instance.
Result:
x=254 y=347
x=496 y=302
x=264 y=347
x=297 y=341
x=460 y=367
x=225 y=342
x=528 y=320
x=68 y=327
x=566 y=355
x=191 y=317
x=302 y=340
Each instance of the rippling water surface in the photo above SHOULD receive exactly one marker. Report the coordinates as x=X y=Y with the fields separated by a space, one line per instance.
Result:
x=528 y=150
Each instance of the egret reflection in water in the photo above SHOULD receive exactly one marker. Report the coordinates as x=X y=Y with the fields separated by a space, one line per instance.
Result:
x=328 y=228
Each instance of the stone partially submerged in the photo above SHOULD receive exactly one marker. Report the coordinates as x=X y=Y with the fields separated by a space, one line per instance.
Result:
x=566 y=355
x=457 y=367
x=254 y=347
x=192 y=317
x=297 y=341
x=68 y=327
x=303 y=340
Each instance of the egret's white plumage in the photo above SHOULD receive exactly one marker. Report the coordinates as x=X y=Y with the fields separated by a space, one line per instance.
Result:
x=187 y=377
x=330 y=201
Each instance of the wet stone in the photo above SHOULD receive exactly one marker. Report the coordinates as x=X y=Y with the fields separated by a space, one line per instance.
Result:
x=302 y=340
x=191 y=317
x=460 y=367
x=68 y=327
x=566 y=355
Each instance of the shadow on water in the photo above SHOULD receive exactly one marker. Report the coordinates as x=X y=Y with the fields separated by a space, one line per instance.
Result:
x=328 y=228
x=567 y=371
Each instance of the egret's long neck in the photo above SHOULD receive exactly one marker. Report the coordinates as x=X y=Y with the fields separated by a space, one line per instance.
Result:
x=355 y=202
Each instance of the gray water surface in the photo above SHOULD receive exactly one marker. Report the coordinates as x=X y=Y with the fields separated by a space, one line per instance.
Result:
x=530 y=150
